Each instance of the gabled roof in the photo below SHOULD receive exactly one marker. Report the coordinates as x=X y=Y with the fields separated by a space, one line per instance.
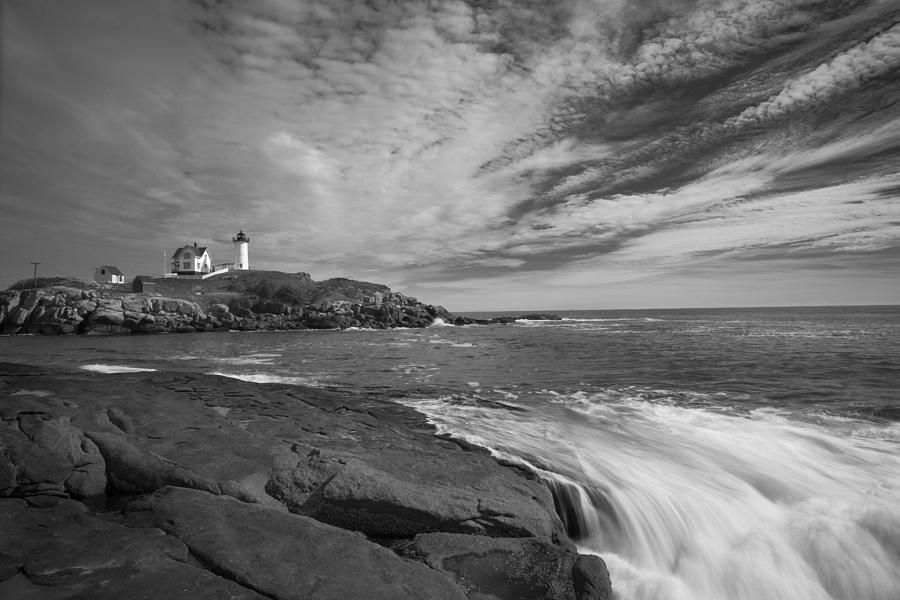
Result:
x=111 y=270
x=198 y=250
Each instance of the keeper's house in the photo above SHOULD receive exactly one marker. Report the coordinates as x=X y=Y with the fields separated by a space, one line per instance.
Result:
x=191 y=260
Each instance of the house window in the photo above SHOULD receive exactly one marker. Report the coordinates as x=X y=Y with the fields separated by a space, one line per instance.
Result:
x=103 y=271
x=187 y=254
x=186 y=265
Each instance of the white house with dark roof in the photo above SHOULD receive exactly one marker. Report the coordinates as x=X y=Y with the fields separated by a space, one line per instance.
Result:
x=108 y=274
x=191 y=260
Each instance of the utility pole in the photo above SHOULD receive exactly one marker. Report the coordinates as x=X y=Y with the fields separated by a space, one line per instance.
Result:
x=34 y=281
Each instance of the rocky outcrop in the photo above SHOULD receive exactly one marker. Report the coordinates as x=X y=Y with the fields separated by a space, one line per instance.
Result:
x=47 y=455
x=517 y=568
x=238 y=490
x=57 y=548
x=444 y=495
x=286 y=556
x=62 y=310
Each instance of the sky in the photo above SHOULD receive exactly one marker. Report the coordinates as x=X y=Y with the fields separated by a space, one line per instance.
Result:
x=480 y=154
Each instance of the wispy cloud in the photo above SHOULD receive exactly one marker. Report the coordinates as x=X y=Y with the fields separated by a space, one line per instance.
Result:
x=458 y=141
x=844 y=73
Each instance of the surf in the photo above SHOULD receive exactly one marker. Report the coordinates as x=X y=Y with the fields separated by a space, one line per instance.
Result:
x=687 y=503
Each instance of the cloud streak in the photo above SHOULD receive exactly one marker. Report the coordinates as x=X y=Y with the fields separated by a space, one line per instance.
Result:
x=477 y=141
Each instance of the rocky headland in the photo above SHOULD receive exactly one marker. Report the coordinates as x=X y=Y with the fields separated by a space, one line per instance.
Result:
x=247 y=302
x=173 y=485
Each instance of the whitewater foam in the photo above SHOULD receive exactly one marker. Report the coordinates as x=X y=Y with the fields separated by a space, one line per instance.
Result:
x=690 y=503
x=259 y=358
x=271 y=378
x=111 y=369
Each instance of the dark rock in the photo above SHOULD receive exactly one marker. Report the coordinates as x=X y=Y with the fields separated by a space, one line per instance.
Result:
x=48 y=455
x=149 y=327
x=322 y=322
x=108 y=312
x=540 y=317
x=590 y=578
x=15 y=319
x=102 y=329
x=357 y=462
x=429 y=494
x=503 y=320
x=57 y=549
x=120 y=419
x=135 y=303
x=218 y=309
x=509 y=569
x=289 y=556
x=244 y=313
x=332 y=304
x=131 y=469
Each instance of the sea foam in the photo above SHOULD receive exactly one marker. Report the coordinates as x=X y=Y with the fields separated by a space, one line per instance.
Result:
x=688 y=502
x=98 y=368
x=270 y=378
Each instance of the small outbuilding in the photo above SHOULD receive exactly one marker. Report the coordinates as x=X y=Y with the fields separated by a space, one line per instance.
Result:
x=108 y=274
x=142 y=283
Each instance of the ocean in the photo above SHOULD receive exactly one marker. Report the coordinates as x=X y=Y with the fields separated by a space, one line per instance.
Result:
x=705 y=454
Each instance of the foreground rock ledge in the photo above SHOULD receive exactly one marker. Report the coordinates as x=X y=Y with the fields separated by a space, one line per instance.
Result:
x=191 y=486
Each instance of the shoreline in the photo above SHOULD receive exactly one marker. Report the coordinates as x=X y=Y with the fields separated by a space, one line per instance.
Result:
x=215 y=471
x=63 y=310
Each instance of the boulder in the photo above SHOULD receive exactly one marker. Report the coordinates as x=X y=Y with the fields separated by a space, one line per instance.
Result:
x=174 y=305
x=509 y=569
x=108 y=312
x=135 y=303
x=47 y=454
x=287 y=556
x=46 y=320
x=244 y=313
x=218 y=309
x=149 y=327
x=84 y=307
x=9 y=300
x=322 y=322
x=30 y=298
x=103 y=329
x=15 y=319
x=430 y=493
x=131 y=469
x=55 y=548
x=590 y=578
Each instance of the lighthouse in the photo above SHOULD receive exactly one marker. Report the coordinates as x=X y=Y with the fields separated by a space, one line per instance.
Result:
x=241 y=251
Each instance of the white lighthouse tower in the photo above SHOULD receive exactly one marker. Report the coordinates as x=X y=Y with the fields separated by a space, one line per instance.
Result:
x=241 y=251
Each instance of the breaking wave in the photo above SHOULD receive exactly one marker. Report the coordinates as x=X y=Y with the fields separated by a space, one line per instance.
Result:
x=688 y=502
